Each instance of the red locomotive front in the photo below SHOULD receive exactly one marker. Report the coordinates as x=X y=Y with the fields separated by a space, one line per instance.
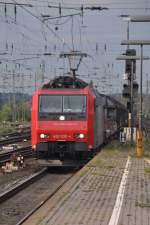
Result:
x=71 y=119
x=63 y=123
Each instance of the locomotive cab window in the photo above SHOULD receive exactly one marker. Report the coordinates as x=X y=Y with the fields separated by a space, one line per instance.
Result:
x=74 y=104
x=51 y=106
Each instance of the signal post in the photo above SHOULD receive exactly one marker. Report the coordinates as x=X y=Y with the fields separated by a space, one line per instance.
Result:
x=131 y=88
x=140 y=149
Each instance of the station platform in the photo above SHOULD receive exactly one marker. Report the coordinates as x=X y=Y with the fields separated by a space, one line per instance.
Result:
x=112 y=189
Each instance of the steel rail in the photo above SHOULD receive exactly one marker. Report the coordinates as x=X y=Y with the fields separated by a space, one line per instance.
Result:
x=22 y=185
x=25 y=151
x=19 y=131
x=14 y=139
x=43 y=202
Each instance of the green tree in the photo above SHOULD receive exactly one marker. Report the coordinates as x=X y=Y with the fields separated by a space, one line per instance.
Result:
x=24 y=111
x=6 y=113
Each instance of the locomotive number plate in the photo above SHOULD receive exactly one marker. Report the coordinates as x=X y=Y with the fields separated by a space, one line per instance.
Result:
x=61 y=136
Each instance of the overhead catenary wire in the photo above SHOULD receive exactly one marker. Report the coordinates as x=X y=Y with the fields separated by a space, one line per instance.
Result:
x=69 y=18
x=62 y=23
x=49 y=28
x=59 y=17
x=87 y=6
x=18 y=4
x=9 y=23
x=40 y=20
x=18 y=32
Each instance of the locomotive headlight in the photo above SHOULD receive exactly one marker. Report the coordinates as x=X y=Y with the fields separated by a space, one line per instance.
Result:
x=44 y=136
x=62 y=118
x=81 y=136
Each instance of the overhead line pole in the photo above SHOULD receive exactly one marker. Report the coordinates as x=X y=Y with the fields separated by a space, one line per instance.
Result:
x=139 y=134
x=132 y=102
x=126 y=57
x=141 y=43
x=141 y=89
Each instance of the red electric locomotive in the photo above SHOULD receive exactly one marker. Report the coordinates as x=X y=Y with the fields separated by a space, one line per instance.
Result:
x=68 y=120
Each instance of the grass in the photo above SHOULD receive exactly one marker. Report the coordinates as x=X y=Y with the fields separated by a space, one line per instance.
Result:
x=146 y=147
x=110 y=151
x=84 y=171
x=96 y=163
x=99 y=163
x=95 y=173
x=115 y=147
x=143 y=205
x=147 y=169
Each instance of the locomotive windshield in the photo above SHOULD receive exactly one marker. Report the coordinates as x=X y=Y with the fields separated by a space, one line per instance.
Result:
x=68 y=104
x=49 y=103
x=75 y=104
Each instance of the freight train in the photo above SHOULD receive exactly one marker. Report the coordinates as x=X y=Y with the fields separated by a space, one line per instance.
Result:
x=71 y=119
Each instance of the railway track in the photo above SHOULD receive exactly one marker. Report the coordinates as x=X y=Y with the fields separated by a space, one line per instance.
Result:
x=43 y=202
x=25 y=151
x=15 y=137
x=21 y=185
x=27 y=197
x=15 y=133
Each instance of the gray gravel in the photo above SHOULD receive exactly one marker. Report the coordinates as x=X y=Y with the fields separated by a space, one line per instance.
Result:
x=17 y=207
x=8 y=180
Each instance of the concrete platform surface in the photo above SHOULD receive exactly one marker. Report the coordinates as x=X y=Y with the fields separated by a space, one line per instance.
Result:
x=112 y=189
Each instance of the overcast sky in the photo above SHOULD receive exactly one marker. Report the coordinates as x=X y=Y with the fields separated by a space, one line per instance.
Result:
x=25 y=38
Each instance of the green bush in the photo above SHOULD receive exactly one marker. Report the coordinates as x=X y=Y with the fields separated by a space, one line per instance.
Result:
x=22 y=112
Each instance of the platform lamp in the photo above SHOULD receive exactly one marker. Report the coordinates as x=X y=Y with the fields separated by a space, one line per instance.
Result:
x=127 y=19
x=139 y=19
x=140 y=135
